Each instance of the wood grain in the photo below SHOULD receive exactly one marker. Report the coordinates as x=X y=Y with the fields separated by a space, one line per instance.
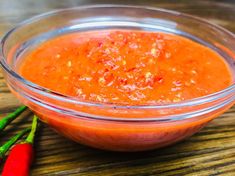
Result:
x=209 y=152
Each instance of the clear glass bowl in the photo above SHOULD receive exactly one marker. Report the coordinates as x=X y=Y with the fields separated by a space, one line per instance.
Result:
x=110 y=126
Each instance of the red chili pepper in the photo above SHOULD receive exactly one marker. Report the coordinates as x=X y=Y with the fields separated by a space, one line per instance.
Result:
x=6 y=120
x=21 y=156
x=5 y=147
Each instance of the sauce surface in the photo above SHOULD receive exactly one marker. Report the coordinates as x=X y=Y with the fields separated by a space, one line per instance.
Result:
x=126 y=67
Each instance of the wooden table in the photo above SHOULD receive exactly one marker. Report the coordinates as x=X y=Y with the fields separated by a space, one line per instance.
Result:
x=209 y=152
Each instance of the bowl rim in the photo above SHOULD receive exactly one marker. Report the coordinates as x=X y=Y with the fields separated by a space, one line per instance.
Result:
x=70 y=99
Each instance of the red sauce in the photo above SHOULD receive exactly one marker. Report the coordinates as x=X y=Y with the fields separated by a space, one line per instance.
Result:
x=126 y=67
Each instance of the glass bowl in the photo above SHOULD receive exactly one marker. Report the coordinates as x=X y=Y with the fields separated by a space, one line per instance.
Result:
x=109 y=126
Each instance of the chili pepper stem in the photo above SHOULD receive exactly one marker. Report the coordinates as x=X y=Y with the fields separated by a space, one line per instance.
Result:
x=31 y=135
x=5 y=147
x=10 y=117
